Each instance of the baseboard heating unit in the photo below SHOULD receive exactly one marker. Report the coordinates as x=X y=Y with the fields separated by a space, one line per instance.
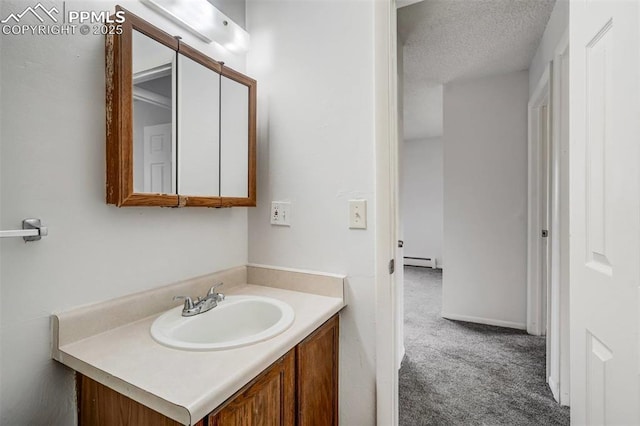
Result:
x=423 y=262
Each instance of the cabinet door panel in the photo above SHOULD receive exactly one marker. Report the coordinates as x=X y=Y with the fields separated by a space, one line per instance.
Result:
x=267 y=401
x=317 y=376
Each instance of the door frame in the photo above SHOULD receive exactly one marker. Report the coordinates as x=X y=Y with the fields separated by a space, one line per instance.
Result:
x=549 y=91
x=540 y=98
x=558 y=339
x=386 y=209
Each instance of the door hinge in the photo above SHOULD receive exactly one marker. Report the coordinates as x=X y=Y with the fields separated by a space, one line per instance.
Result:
x=392 y=266
x=400 y=243
x=545 y=233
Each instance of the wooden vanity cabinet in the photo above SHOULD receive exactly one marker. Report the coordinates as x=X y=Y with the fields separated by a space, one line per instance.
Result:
x=301 y=388
x=317 y=376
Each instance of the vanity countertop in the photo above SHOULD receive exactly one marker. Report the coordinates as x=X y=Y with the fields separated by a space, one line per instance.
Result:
x=186 y=385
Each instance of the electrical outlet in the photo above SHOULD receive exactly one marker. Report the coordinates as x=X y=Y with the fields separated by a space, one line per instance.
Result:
x=281 y=213
x=275 y=213
x=358 y=214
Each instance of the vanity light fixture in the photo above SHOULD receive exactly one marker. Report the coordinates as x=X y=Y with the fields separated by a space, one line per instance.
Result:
x=205 y=21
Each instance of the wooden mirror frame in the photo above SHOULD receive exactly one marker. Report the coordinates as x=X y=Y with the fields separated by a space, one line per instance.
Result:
x=119 y=120
x=250 y=201
x=119 y=101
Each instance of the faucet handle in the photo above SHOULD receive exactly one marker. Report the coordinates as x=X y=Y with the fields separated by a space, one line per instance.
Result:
x=188 y=302
x=214 y=294
x=212 y=290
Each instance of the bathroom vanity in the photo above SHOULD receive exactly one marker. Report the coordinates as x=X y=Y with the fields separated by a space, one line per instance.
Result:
x=299 y=388
x=125 y=377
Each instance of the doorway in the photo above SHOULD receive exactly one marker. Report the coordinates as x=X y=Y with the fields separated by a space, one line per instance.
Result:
x=484 y=281
x=602 y=353
x=548 y=224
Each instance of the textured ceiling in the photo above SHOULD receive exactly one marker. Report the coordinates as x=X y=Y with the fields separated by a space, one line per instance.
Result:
x=447 y=40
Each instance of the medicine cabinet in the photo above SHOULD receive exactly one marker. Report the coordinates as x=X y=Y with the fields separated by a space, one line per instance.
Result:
x=181 y=127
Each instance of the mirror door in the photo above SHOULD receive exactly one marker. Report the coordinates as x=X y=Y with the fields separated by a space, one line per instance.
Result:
x=237 y=139
x=198 y=128
x=154 y=141
x=141 y=115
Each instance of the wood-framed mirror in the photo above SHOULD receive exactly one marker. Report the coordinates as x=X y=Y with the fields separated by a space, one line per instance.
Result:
x=181 y=126
x=238 y=139
x=154 y=52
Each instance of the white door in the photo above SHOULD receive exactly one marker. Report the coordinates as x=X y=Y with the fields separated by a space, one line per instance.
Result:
x=605 y=212
x=157 y=159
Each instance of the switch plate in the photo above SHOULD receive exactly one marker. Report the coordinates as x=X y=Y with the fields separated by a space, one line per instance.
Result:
x=358 y=214
x=281 y=213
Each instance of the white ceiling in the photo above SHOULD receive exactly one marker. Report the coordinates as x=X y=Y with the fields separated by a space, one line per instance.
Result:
x=447 y=40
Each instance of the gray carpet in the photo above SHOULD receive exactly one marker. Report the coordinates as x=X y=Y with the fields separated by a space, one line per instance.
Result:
x=459 y=373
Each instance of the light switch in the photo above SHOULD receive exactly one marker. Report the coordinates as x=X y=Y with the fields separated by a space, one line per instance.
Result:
x=358 y=214
x=285 y=214
x=281 y=213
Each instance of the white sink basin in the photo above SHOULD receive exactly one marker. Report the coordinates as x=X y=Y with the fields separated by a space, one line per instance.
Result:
x=236 y=321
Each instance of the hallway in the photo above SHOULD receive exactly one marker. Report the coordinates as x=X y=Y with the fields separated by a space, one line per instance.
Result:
x=457 y=373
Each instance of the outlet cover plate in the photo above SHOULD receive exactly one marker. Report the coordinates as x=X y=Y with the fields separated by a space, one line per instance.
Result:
x=281 y=213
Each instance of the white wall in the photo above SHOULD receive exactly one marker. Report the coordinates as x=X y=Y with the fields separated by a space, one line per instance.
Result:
x=485 y=199
x=557 y=26
x=422 y=109
x=314 y=64
x=422 y=186
x=52 y=163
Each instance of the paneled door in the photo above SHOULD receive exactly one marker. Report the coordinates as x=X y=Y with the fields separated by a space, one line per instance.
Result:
x=605 y=212
x=157 y=159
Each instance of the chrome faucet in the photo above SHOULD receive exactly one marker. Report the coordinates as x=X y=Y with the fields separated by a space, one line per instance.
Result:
x=201 y=305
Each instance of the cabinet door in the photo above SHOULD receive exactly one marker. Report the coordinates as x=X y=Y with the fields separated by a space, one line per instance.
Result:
x=269 y=400
x=237 y=139
x=317 y=375
x=234 y=131
x=198 y=125
x=140 y=115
